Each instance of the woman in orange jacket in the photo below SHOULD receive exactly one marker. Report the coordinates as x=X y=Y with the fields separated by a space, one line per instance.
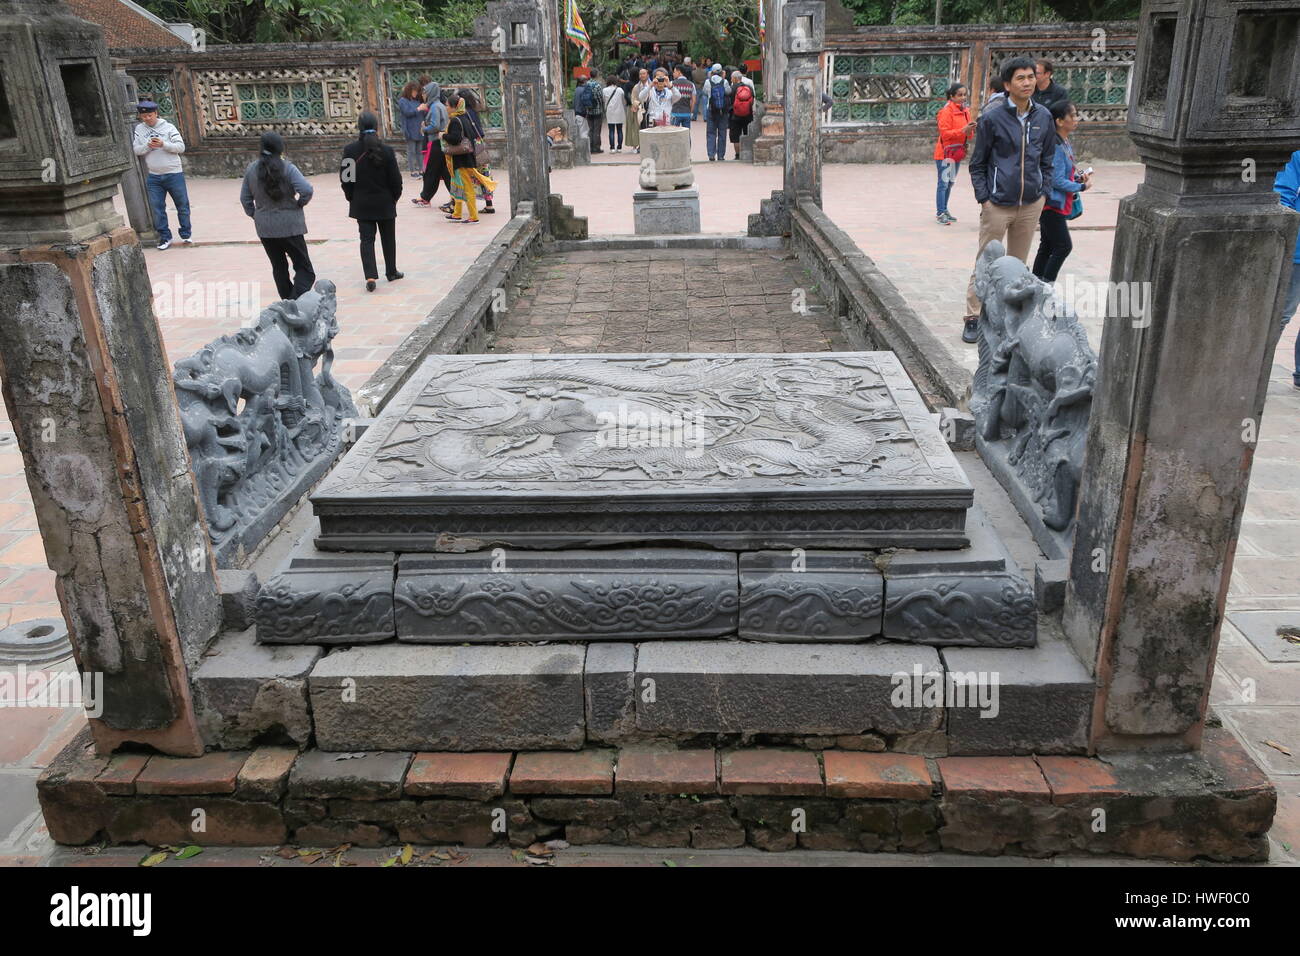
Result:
x=955 y=128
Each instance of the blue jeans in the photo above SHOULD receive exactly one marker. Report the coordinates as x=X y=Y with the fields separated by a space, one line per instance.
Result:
x=945 y=184
x=1289 y=305
x=715 y=132
x=159 y=187
x=683 y=120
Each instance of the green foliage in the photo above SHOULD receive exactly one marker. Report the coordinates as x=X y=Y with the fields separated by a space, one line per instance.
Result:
x=915 y=12
x=454 y=18
x=277 y=21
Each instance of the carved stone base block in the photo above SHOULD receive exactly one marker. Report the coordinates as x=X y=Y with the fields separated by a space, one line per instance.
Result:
x=337 y=599
x=566 y=595
x=737 y=452
x=673 y=214
x=666 y=158
x=812 y=596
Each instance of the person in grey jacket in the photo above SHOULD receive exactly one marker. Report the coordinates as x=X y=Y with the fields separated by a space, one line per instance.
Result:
x=273 y=195
x=161 y=145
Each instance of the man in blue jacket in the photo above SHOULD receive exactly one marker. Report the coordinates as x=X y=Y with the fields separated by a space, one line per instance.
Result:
x=1011 y=170
x=1286 y=185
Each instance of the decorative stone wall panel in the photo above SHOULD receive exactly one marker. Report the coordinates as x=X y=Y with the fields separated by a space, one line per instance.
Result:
x=809 y=596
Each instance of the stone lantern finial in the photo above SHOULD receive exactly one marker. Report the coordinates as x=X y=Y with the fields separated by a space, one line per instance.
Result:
x=62 y=148
x=1216 y=91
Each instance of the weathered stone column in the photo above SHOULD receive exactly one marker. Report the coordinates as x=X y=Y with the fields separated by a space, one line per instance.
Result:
x=802 y=38
x=769 y=146
x=520 y=22
x=88 y=388
x=134 y=196
x=1214 y=111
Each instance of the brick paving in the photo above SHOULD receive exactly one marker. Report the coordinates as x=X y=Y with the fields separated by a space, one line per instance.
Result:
x=689 y=300
x=887 y=210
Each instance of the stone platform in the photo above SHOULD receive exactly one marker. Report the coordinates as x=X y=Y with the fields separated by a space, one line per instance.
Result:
x=675 y=213
x=1215 y=804
x=726 y=451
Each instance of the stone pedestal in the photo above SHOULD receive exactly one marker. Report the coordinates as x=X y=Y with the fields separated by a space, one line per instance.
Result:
x=134 y=196
x=666 y=158
x=1182 y=386
x=666 y=214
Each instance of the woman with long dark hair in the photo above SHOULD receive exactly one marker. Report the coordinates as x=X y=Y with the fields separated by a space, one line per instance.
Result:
x=408 y=104
x=1064 y=201
x=372 y=184
x=273 y=195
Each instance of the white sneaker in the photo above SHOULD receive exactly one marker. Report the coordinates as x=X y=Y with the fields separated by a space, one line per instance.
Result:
x=188 y=242
x=166 y=243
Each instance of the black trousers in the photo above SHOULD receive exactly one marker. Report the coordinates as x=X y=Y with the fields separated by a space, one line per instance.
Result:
x=281 y=252
x=435 y=171
x=387 y=229
x=1054 y=245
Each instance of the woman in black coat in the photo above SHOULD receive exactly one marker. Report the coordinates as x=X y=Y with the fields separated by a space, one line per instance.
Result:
x=372 y=184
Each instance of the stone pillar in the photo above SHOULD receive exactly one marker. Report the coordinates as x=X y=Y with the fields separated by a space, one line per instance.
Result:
x=803 y=36
x=1215 y=112
x=769 y=145
x=134 y=196
x=520 y=22
x=88 y=388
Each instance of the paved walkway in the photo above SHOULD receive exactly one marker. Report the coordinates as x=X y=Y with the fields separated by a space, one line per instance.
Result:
x=886 y=209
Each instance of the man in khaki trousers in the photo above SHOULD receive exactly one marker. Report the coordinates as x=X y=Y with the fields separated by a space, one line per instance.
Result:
x=1011 y=170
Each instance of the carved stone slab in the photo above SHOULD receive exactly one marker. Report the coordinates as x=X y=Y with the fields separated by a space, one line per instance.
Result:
x=961 y=608
x=733 y=451
x=568 y=595
x=345 y=601
x=809 y=596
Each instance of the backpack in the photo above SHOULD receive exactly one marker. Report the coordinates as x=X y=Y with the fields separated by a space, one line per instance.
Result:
x=744 y=101
x=717 y=95
x=582 y=100
x=595 y=100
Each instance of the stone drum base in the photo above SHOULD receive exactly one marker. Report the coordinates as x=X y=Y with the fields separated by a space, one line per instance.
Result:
x=666 y=213
x=1214 y=805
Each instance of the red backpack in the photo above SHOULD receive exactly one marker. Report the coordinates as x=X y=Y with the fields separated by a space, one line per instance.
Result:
x=743 y=103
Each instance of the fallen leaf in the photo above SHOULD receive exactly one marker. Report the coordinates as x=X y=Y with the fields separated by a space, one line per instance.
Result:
x=188 y=852
x=670 y=862
x=389 y=862
x=153 y=859
x=286 y=853
x=518 y=855
x=311 y=858
x=306 y=851
x=1277 y=746
x=406 y=854
x=540 y=849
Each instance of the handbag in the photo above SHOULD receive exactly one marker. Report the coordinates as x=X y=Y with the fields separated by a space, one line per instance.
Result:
x=460 y=149
x=956 y=152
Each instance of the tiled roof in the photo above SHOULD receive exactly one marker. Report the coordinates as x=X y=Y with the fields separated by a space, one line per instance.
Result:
x=123 y=26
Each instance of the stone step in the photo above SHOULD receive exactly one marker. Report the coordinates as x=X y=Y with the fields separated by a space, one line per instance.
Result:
x=563 y=696
x=974 y=596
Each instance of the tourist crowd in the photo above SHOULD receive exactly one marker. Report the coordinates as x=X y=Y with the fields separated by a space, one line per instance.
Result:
x=666 y=90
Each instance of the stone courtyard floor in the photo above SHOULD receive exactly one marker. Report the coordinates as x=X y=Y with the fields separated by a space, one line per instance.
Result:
x=694 y=300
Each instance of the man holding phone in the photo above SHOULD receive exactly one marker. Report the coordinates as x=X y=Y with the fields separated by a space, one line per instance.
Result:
x=161 y=145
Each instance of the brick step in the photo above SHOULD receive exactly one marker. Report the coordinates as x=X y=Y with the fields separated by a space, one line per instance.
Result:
x=1213 y=804
x=564 y=696
x=973 y=596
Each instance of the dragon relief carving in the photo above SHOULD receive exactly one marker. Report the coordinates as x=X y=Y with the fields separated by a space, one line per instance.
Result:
x=734 y=418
